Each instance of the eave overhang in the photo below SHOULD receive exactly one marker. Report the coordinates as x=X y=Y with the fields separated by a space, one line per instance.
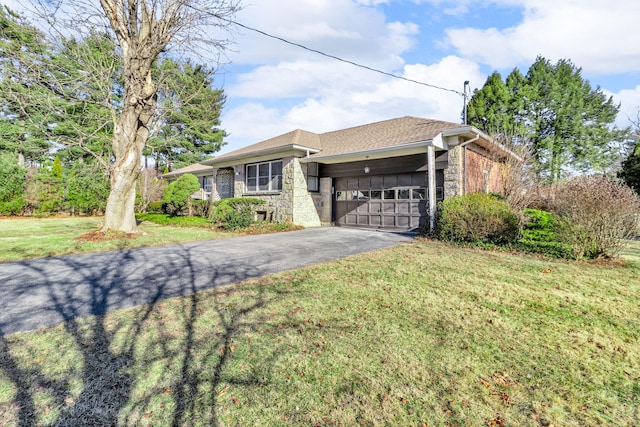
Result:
x=372 y=154
x=261 y=155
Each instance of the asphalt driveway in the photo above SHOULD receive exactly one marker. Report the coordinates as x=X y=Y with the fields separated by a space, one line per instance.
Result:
x=44 y=292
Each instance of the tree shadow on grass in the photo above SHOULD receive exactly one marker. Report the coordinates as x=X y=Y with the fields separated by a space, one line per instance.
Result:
x=118 y=354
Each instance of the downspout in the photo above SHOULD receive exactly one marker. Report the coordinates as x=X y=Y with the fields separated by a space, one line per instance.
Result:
x=463 y=146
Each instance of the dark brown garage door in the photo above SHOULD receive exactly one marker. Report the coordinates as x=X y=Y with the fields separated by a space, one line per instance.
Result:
x=395 y=202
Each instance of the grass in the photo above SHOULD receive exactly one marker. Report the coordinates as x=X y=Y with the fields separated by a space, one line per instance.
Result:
x=22 y=238
x=420 y=334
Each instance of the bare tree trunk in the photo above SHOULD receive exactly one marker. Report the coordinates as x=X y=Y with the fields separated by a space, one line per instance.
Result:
x=129 y=138
x=119 y=214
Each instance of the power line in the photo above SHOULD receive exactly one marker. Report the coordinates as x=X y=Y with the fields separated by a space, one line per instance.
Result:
x=319 y=52
x=341 y=59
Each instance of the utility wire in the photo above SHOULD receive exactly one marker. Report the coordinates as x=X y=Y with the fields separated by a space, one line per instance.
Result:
x=395 y=76
x=344 y=60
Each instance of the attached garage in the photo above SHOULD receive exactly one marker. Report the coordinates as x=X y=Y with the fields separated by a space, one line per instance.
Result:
x=396 y=200
x=387 y=175
x=391 y=201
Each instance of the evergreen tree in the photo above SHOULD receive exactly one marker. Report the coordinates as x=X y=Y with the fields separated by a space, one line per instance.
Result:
x=87 y=188
x=188 y=115
x=48 y=186
x=22 y=122
x=567 y=124
x=12 y=185
x=630 y=171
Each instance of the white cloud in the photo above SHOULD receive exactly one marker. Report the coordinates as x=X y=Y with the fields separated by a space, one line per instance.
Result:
x=630 y=106
x=596 y=35
x=357 y=97
x=343 y=28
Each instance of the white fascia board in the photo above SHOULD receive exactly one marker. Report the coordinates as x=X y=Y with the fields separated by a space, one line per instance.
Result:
x=377 y=153
x=440 y=142
x=471 y=131
x=261 y=155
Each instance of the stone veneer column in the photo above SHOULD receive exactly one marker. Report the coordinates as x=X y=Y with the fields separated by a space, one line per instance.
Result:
x=453 y=172
x=284 y=209
x=305 y=211
x=214 y=185
x=238 y=180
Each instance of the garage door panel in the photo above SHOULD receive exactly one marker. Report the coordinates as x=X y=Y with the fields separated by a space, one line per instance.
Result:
x=390 y=181
x=388 y=221
x=352 y=183
x=377 y=182
x=418 y=208
x=389 y=207
x=403 y=221
x=403 y=207
x=383 y=201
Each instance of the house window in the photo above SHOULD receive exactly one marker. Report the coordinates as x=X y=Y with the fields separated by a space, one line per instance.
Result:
x=262 y=177
x=312 y=177
x=206 y=186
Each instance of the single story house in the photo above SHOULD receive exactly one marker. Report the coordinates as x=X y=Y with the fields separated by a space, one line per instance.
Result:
x=385 y=175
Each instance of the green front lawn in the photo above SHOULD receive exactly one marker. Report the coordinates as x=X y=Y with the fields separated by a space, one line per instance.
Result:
x=22 y=238
x=421 y=334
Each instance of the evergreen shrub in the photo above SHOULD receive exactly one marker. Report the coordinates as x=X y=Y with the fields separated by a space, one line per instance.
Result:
x=235 y=213
x=542 y=233
x=477 y=218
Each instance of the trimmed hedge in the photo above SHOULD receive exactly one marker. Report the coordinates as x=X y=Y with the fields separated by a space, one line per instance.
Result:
x=177 y=197
x=235 y=213
x=477 y=218
x=155 y=207
x=542 y=233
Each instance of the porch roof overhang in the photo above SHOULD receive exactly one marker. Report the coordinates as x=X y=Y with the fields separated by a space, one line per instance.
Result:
x=480 y=138
x=419 y=147
x=261 y=155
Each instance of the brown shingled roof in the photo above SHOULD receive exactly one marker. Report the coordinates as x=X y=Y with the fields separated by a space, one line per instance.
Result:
x=297 y=137
x=387 y=133
x=194 y=168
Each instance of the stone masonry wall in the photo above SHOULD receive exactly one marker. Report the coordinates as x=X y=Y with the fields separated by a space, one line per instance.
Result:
x=453 y=173
x=294 y=203
x=306 y=205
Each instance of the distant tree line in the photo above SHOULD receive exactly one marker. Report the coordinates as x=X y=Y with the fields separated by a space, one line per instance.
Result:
x=58 y=97
x=566 y=125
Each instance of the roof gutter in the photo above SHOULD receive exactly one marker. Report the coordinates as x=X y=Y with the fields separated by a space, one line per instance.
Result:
x=371 y=153
x=282 y=148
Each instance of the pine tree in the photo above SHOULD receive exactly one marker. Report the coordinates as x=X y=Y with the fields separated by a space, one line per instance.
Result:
x=567 y=124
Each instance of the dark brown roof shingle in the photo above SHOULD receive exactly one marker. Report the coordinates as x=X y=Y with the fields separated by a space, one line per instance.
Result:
x=387 y=133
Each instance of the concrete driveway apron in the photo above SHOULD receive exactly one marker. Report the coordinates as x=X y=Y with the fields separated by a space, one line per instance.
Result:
x=43 y=292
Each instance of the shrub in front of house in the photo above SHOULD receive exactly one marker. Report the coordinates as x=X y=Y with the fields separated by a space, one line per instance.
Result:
x=542 y=233
x=598 y=214
x=200 y=208
x=155 y=207
x=235 y=213
x=477 y=218
x=177 y=197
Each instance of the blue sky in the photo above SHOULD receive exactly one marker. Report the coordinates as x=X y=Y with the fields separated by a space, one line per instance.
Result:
x=274 y=88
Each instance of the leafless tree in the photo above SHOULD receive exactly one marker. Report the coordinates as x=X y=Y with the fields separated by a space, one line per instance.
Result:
x=143 y=29
x=150 y=188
